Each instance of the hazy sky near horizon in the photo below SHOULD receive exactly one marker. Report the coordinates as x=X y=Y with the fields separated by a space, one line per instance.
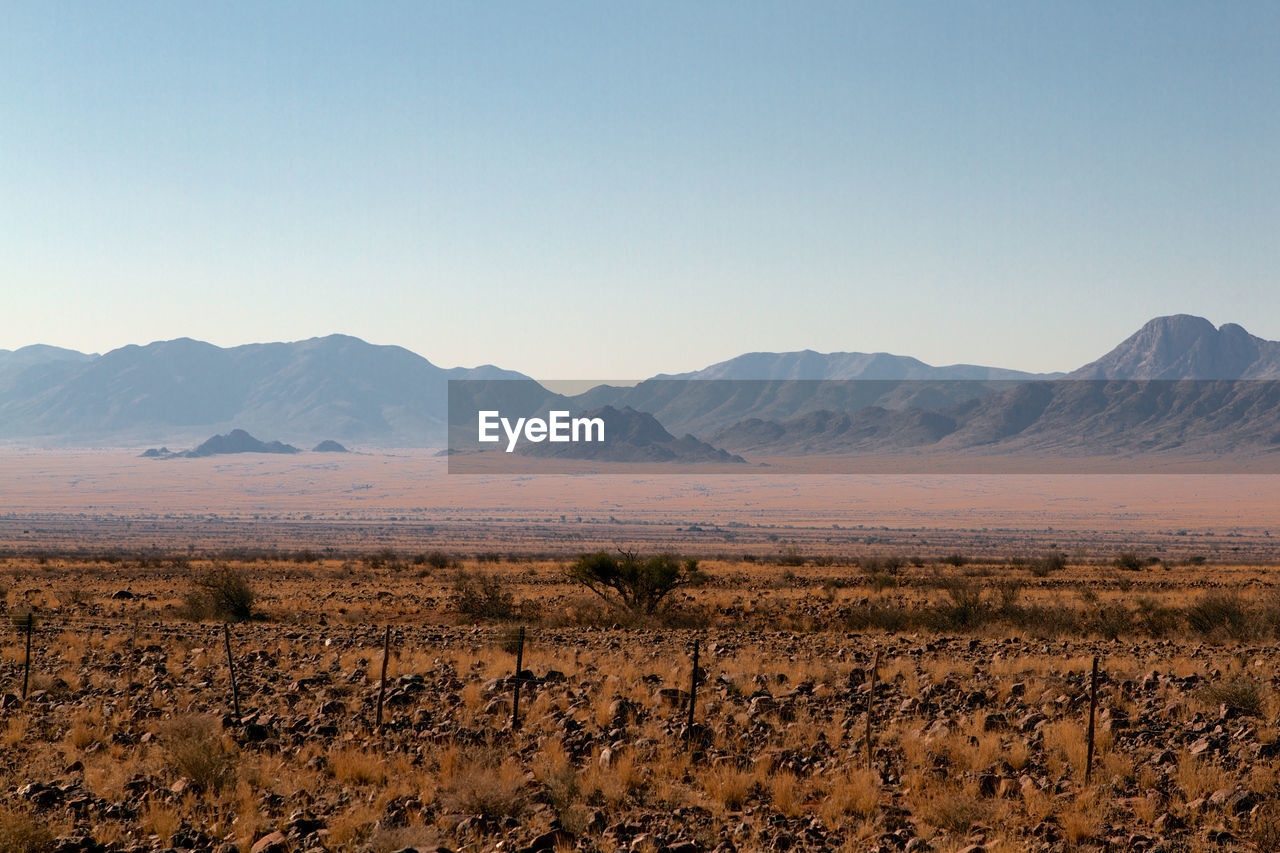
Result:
x=620 y=189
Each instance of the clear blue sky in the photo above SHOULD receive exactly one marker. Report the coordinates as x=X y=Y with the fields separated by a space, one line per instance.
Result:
x=613 y=190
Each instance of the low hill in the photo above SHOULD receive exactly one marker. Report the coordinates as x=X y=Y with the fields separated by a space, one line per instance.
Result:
x=236 y=441
x=632 y=436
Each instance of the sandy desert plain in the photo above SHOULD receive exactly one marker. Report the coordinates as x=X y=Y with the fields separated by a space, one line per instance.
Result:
x=886 y=662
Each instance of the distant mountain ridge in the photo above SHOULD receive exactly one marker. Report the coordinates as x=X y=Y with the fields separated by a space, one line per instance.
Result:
x=705 y=406
x=340 y=387
x=1179 y=385
x=811 y=365
x=1062 y=419
x=168 y=391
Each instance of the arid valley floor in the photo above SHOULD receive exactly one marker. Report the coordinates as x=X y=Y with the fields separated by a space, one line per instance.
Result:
x=949 y=623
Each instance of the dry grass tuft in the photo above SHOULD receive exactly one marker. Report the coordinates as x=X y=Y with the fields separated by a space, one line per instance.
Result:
x=729 y=786
x=196 y=750
x=357 y=767
x=23 y=833
x=488 y=791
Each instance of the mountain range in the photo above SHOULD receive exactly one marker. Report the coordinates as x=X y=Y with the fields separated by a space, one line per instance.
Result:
x=342 y=387
x=182 y=390
x=1063 y=419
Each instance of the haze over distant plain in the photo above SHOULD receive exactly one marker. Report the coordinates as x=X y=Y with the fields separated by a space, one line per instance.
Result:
x=625 y=190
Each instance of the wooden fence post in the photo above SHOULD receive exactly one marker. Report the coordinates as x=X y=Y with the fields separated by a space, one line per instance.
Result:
x=871 y=703
x=1093 y=708
x=382 y=683
x=133 y=650
x=231 y=667
x=26 y=665
x=515 y=704
x=693 y=687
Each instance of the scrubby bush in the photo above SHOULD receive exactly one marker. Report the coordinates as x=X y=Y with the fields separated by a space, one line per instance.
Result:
x=884 y=616
x=638 y=585
x=441 y=560
x=387 y=558
x=890 y=565
x=1128 y=561
x=221 y=593
x=881 y=581
x=1156 y=619
x=1009 y=591
x=483 y=597
x=1112 y=621
x=195 y=750
x=1244 y=694
x=790 y=557
x=1267 y=617
x=1219 y=613
x=966 y=608
x=1041 y=567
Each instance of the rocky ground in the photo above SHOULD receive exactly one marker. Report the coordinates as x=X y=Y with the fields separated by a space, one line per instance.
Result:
x=129 y=739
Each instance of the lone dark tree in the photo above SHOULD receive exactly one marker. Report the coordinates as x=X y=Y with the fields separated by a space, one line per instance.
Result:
x=635 y=584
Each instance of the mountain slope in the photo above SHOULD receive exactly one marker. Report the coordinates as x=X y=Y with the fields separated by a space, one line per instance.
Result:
x=1182 y=346
x=704 y=406
x=1062 y=419
x=27 y=370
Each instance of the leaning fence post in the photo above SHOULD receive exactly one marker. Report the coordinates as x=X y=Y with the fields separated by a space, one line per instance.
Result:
x=231 y=667
x=515 y=704
x=871 y=703
x=693 y=687
x=382 y=683
x=1093 y=707
x=26 y=665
